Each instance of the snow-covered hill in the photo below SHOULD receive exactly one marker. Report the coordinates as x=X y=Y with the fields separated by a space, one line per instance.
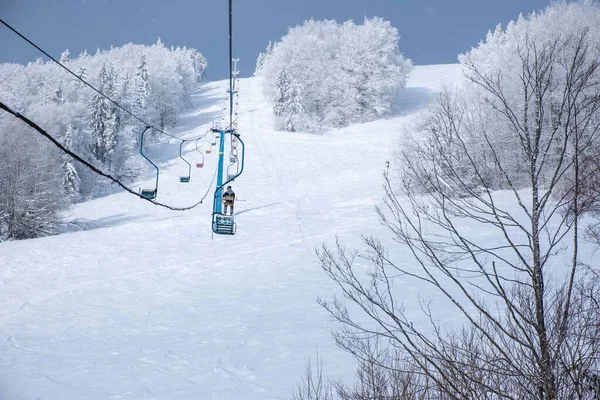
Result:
x=145 y=304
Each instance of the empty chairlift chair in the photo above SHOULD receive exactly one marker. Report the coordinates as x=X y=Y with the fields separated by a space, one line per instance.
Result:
x=199 y=164
x=148 y=193
x=233 y=155
x=185 y=178
x=230 y=174
x=208 y=148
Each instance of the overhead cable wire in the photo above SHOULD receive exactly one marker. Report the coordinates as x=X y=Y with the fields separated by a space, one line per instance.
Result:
x=230 y=63
x=95 y=169
x=91 y=86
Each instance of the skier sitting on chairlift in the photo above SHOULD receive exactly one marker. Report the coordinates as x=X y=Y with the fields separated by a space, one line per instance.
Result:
x=228 y=199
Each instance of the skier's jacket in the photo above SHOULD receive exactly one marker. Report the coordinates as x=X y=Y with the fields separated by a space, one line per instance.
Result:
x=229 y=197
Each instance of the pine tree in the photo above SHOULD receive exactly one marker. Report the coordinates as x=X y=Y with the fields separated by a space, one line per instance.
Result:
x=263 y=59
x=64 y=57
x=282 y=90
x=294 y=110
x=103 y=121
x=71 y=179
x=58 y=96
x=142 y=87
x=81 y=73
x=200 y=64
x=112 y=121
x=288 y=102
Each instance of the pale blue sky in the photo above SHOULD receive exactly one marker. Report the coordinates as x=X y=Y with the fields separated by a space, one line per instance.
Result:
x=432 y=31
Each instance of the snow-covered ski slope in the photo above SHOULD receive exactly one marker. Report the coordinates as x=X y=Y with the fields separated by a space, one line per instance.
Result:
x=144 y=304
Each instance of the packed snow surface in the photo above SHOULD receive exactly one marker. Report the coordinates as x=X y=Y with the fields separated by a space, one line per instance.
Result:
x=140 y=302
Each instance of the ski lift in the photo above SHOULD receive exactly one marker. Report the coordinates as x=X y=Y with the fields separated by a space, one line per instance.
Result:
x=225 y=224
x=201 y=163
x=148 y=193
x=184 y=179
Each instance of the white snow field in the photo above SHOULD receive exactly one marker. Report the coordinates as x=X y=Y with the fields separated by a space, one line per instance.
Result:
x=145 y=304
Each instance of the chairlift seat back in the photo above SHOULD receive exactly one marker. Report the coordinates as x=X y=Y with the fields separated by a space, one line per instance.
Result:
x=224 y=225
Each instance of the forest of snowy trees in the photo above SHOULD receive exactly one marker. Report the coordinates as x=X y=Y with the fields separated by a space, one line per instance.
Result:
x=325 y=74
x=153 y=82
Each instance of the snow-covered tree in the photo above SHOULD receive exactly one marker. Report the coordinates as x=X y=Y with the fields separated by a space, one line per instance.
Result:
x=141 y=90
x=348 y=72
x=31 y=180
x=263 y=59
x=71 y=179
x=294 y=120
x=287 y=104
x=58 y=94
x=65 y=57
x=281 y=93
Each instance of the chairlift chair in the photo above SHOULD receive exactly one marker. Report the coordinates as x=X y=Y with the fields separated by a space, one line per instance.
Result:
x=149 y=194
x=184 y=179
x=210 y=143
x=224 y=224
x=231 y=176
x=201 y=163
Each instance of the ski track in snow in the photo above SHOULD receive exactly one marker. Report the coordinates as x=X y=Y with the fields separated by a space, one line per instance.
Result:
x=143 y=304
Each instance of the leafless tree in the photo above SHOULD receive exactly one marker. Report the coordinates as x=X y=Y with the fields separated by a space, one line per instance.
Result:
x=313 y=385
x=530 y=312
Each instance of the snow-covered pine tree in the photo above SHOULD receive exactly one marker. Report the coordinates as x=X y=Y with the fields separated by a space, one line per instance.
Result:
x=294 y=110
x=287 y=105
x=58 y=96
x=65 y=57
x=282 y=90
x=110 y=137
x=141 y=88
x=263 y=59
x=71 y=179
x=200 y=64
x=82 y=73
x=102 y=125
